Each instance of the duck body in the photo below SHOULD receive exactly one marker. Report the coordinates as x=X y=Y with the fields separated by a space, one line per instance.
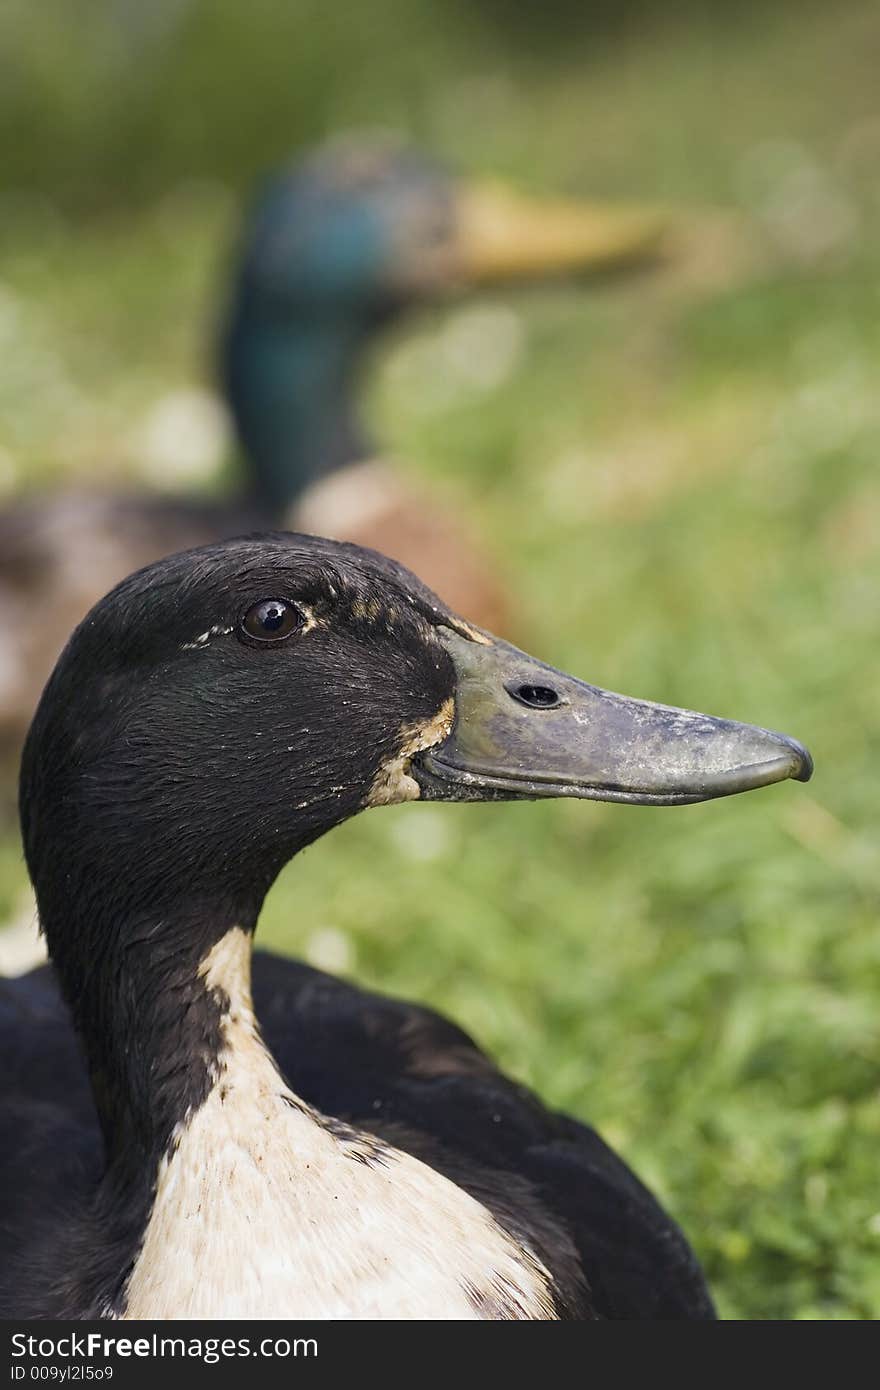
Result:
x=165 y=1154
x=407 y=1082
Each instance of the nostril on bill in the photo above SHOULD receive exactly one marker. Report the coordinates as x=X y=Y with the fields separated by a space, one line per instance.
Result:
x=534 y=696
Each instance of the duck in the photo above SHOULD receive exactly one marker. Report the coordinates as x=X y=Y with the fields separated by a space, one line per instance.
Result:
x=192 y=1129
x=332 y=250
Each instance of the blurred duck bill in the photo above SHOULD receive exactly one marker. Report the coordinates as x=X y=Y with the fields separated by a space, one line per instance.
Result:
x=501 y=235
x=524 y=730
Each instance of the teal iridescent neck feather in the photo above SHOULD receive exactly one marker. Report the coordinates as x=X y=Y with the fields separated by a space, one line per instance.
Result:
x=291 y=388
x=331 y=249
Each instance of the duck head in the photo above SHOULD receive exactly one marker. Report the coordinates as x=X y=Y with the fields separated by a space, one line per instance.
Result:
x=221 y=709
x=344 y=240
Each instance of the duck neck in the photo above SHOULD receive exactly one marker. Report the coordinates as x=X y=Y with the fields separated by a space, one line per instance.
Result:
x=291 y=385
x=152 y=1005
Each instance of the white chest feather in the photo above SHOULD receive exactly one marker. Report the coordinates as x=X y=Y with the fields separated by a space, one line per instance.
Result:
x=262 y=1212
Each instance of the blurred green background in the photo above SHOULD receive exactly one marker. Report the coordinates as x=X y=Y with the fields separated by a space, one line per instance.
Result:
x=677 y=475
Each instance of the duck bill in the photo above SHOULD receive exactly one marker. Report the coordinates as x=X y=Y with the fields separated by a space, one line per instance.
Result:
x=524 y=730
x=501 y=235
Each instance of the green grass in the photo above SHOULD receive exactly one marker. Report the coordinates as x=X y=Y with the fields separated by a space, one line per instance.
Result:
x=679 y=479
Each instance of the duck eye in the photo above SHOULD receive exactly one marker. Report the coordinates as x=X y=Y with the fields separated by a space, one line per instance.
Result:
x=272 y=620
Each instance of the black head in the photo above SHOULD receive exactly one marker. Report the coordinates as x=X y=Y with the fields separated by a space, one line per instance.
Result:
x=222 y=708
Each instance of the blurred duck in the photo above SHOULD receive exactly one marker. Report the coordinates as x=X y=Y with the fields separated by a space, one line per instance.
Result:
x=331 y=251
x=163 y=1154
x=334 y=250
